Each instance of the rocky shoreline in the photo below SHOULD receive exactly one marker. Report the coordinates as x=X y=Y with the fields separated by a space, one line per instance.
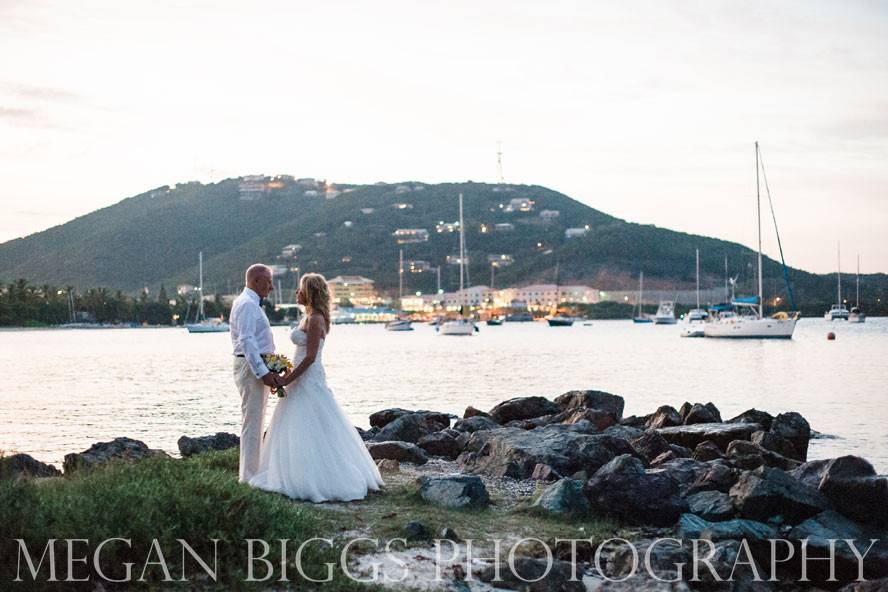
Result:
x=681 y=473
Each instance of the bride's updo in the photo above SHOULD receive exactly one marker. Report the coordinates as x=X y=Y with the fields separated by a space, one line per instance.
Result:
x=317 y=295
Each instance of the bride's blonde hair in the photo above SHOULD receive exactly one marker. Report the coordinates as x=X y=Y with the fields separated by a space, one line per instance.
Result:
x=317 y=293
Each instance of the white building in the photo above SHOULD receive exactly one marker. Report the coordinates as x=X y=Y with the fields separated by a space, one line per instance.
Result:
x=447 y=227
x=575 y=232
x=500 y=260
x=519 y=204
x=290 y=250
x=475 y=296
x=549 y=214
x=411 y=235
x=252 y=187
x=417 y=266
x=355 y=288
x=504 y=227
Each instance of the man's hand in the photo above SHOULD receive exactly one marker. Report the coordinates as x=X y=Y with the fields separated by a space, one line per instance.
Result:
x=271 y=379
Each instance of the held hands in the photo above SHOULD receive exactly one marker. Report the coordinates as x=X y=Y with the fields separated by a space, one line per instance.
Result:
x=273 y=380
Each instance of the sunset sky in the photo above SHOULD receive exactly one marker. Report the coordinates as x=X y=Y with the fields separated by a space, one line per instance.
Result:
x=644 y=110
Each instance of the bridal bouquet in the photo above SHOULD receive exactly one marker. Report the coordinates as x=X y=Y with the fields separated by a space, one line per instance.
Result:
x=279 y=364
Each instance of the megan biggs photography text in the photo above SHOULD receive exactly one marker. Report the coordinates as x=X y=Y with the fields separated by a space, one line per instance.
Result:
x=77 y=560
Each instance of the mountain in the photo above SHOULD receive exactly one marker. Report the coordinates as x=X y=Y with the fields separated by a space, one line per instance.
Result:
x=154 y=238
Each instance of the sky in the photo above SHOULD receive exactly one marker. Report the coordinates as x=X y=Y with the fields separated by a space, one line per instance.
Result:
x=645 y=110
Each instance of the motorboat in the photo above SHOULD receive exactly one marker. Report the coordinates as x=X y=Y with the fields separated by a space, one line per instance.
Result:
x=696 y=318
x=495 y=321
x=838 y=311
x=399 y=325
x=457 y=327
x=560 y=321
x=665 y=314
x=519 y=317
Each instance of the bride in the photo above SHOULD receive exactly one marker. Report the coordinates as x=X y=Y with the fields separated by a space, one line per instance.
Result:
x=311 y=451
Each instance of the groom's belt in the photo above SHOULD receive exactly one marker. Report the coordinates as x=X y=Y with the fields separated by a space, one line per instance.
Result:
x=239 y=356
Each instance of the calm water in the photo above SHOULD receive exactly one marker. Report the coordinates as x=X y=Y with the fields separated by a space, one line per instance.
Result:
x=62 y=390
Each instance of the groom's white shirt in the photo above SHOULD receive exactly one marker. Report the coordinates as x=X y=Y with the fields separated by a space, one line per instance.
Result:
x=250 y=331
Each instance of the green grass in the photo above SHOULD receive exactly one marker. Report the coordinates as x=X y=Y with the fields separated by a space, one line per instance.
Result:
x=195 y=499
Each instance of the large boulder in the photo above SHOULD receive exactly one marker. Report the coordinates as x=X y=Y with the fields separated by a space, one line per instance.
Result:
x=766 y=492
x=448 y=443
x=664 y=417
x=718 y=477
x=650 y=445
x=706 y=451
x=119 y=449
x=794 y=428
x=384 y=417
x=684 y=472
x=399 y=451
x=218 y=441
x=749 y=455
x=25 y=465
x=829 y=533
x=713 y=506
x=475 y=423
x=564 y=497
x=691 y=526
x=411 y=427
x=454 y=491
x=592 y=399
x=853 y=487
x=700 y=413
x=513 y=452
x=624 y=490
x=761 y=418
x=721 y=434
x=591 y=420
x=523 y=408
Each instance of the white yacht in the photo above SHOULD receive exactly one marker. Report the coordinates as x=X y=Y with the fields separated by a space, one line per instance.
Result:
x=696 y=318
x=665 y=314
x=838 y=311
x=461 y=326
x=201 y=323
x=747 y=320
x=399 y=325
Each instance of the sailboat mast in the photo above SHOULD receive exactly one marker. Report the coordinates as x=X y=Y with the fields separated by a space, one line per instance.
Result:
x=640 y=290
x=200 y=306
x=698 y=279
x=857 y=295
x=727 y=295
x=758 y=204
x=462 y=249
x=839 y=273
x=400 y=273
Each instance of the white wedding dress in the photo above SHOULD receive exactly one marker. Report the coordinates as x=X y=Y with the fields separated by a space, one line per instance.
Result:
x=311 y=451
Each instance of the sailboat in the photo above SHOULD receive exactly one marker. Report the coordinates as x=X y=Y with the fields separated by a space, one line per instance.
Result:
x=695 y=319
x=201 y=324
x=856 y=315
x=640 y=317
x=838 y=311
x=753 y=324
x=554 y=319
x=461 y=326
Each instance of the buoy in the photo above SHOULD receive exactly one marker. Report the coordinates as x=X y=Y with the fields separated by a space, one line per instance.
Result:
x=830 y=336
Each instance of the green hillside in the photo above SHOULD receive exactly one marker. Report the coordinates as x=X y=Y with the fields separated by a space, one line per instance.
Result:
x=154 y=238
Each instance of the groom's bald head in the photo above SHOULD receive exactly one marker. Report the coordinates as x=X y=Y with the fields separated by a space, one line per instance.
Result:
x=258 y=279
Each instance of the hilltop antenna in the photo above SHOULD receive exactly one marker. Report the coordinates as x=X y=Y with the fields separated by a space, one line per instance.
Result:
x=499 y=163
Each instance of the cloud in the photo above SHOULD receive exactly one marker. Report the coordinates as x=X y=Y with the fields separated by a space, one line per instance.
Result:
x=39 y=93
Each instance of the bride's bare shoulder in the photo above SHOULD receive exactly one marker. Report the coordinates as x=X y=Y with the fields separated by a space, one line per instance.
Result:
x=317 y=323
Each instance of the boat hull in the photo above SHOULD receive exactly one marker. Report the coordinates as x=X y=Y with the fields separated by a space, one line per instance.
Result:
x=857 y=318
x=456 y=328
x=199 y=328
x=560 y=322
x=665 y=320
x=398 y=326
x=751 y=329
x=640 y=320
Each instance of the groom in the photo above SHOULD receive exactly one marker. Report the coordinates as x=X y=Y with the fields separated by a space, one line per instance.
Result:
x=251 y=337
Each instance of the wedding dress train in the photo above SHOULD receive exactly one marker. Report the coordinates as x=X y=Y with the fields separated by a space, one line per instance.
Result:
x=311 y=451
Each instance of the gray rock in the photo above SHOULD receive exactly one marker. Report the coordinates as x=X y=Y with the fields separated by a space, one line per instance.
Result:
x=25 y=465
x=388 y=465
x=691 y=526
x=623 y=431
x=399 y=451
x=449 y=534
x=775 y=443
x=543 y=472
x=564 y=497
x=854 y=489
x=382 y=418
x=534 y=575
x=448 y=443
x=683 y=471
x=650 y=445
x=681 y=451
x=707 y=450
x=512 y=452
x=748 y=456
x=625 y=490
x=721 y=434
x=666 y=559
x=596 y=419
x=761 y=418
x=119 y=449
x=454 y=491
x=767 y=492
x=879 y=585
x=416 y=531
x=592 y=399
x=218 y=441
x=410 y=427
x=713 y=506
x=664 y=417
x=476 y=424
x=718 y=477
x=523 y=408
x=794 y=428
x=472 y=412
x=811 y=472
x=832 y=526
x=699 y=413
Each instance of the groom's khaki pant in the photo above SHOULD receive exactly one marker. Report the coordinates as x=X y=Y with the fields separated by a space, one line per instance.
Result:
x=254 y=398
